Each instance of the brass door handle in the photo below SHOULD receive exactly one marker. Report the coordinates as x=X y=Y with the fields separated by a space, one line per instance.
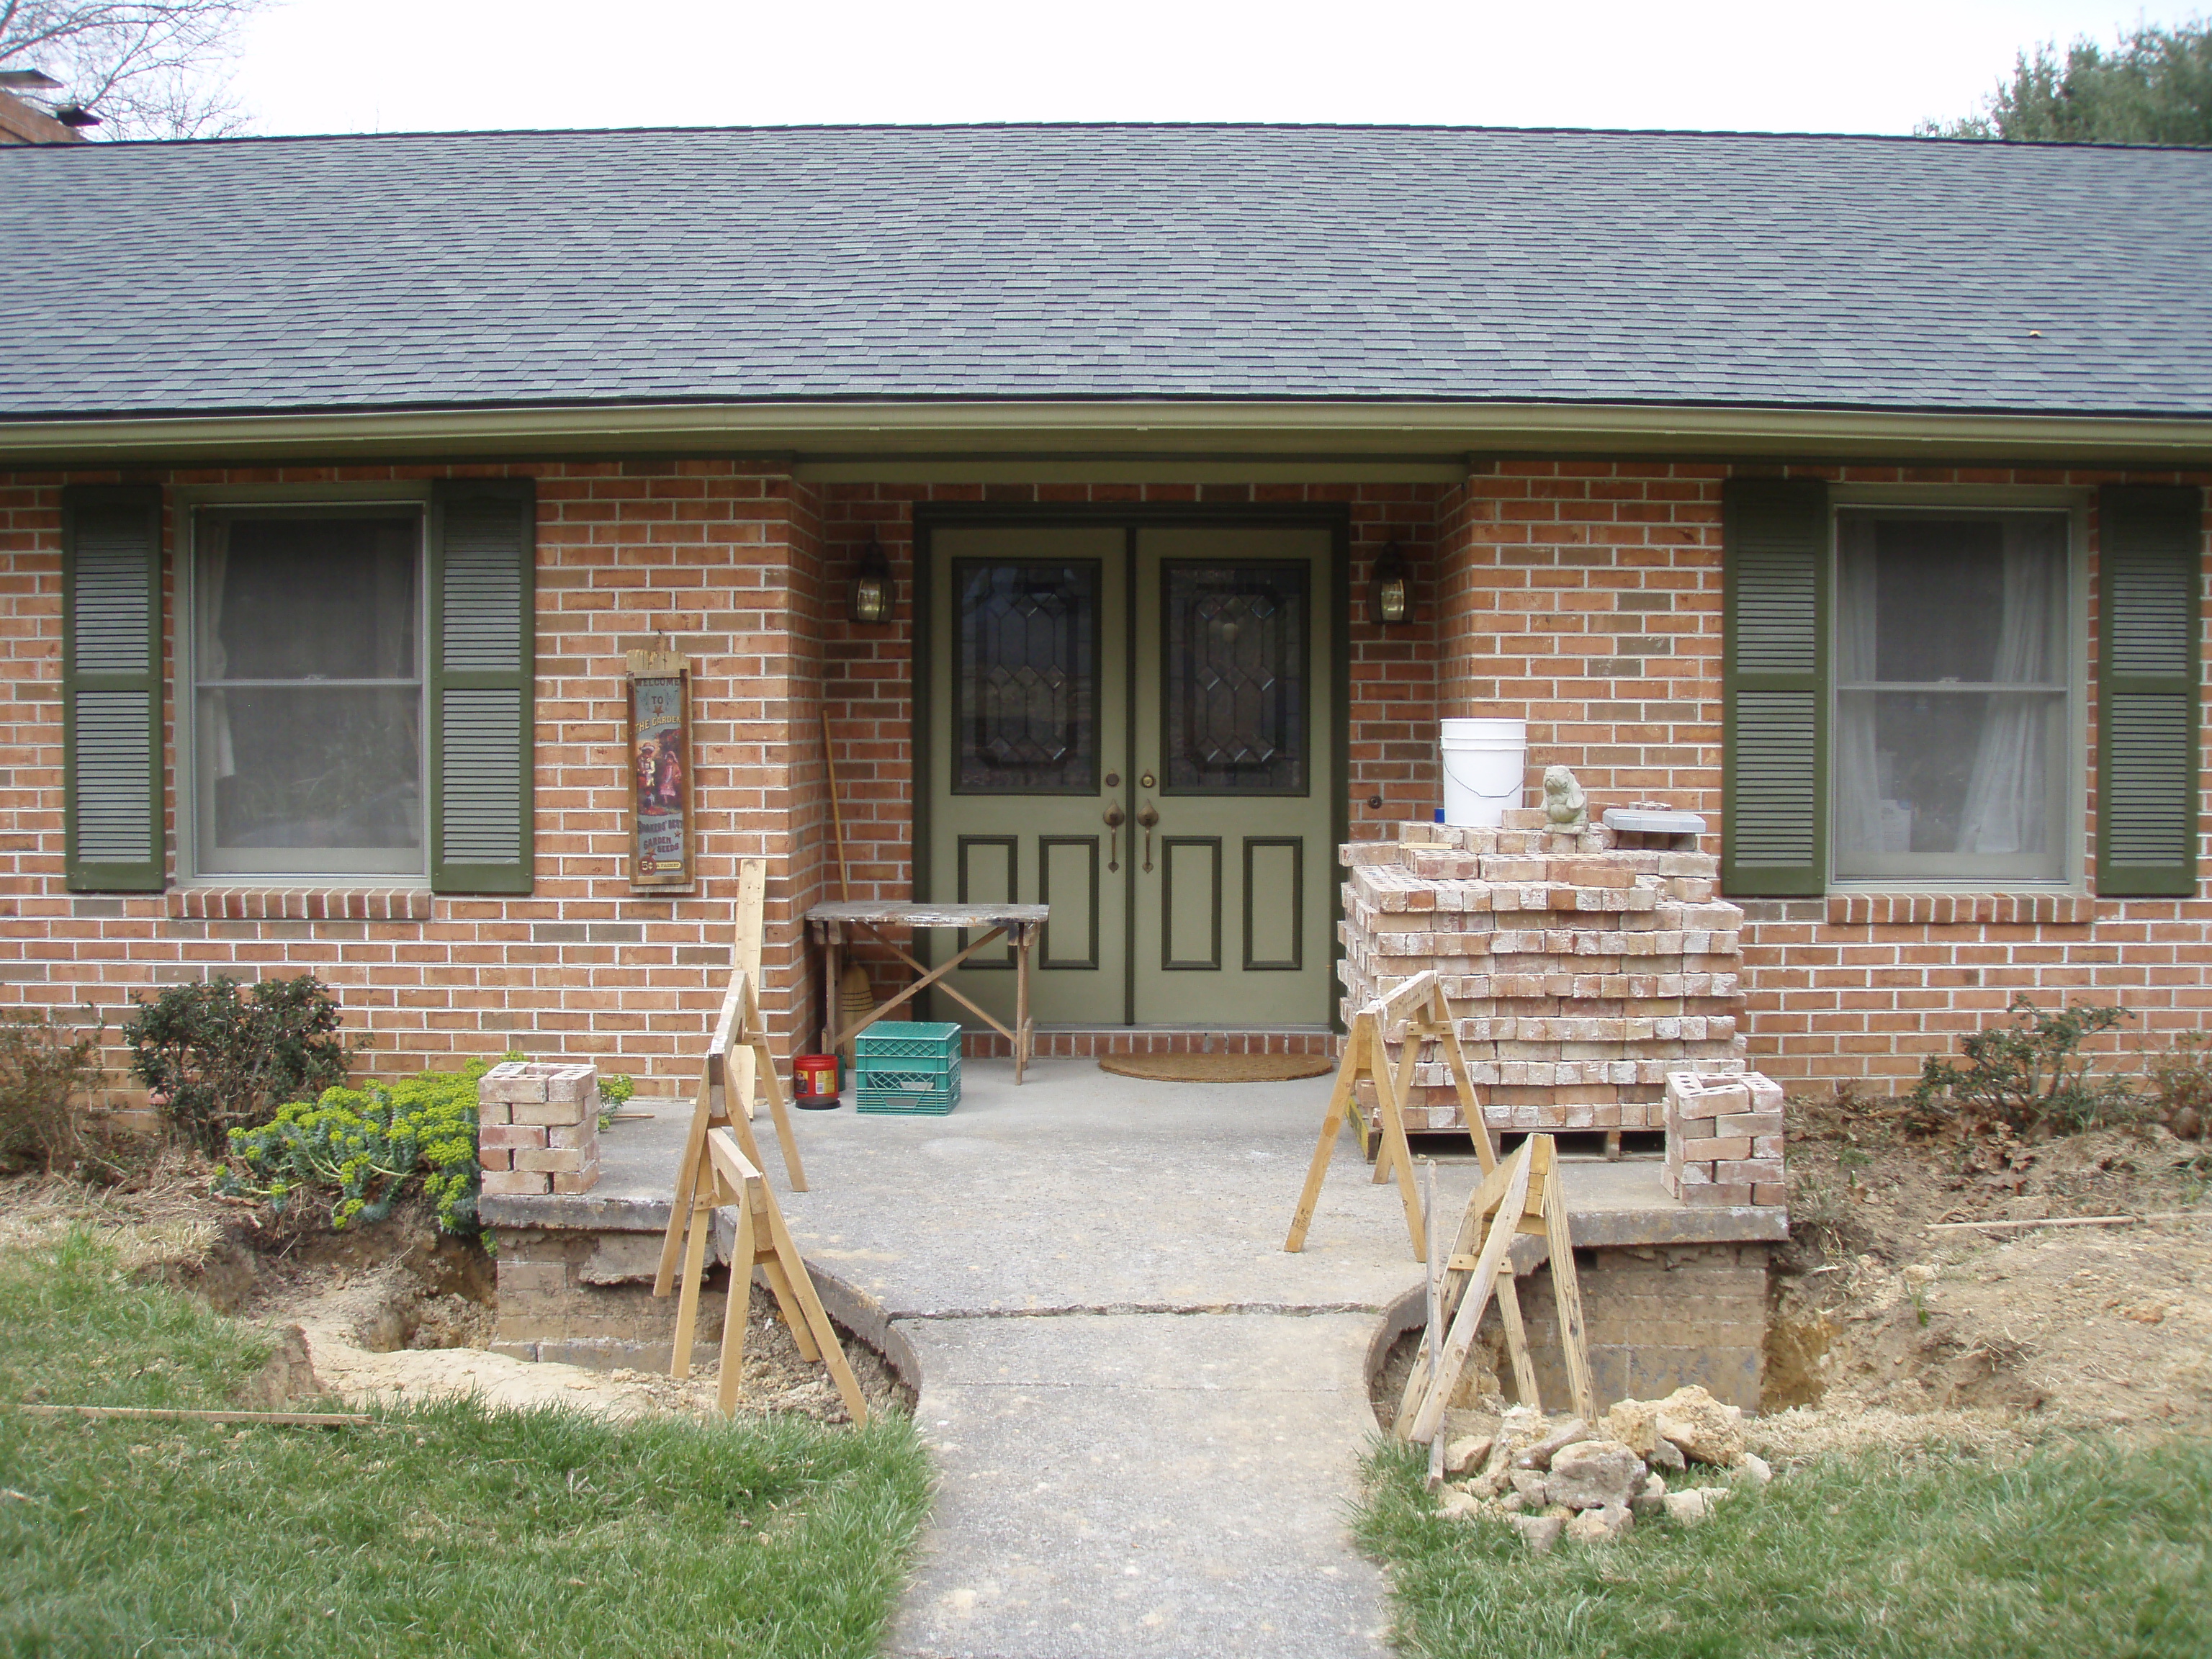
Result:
x=1148 y=816
x=1113 y=820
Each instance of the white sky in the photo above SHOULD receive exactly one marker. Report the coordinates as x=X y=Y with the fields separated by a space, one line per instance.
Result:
x=1861 y=66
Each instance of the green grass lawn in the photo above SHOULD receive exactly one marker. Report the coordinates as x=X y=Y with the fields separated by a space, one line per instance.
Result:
x=440 y=1529
x=2090 y=1550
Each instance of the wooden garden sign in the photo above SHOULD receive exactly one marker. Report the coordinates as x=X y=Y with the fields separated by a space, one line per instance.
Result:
x=660 y=852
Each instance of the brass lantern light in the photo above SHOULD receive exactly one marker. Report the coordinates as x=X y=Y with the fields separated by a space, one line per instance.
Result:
x=873 y=592
x=1390 y=595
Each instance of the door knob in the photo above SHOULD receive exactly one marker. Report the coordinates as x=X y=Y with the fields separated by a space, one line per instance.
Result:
x=1147 y=817
x=1114 y=819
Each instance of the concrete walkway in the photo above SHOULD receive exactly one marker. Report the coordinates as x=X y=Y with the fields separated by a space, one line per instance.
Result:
x=1147 y=1418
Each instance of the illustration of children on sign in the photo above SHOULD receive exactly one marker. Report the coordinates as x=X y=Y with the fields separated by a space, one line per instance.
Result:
x=668 y=774
x=657 y=773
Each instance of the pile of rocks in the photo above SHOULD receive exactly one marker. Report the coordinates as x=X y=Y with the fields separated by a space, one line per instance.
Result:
x=1553 y=1479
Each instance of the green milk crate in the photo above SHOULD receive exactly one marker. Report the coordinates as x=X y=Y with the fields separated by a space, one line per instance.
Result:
x=908 y=1066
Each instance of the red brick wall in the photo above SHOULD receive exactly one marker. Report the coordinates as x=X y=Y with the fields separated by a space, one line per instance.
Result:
x=1587 y=595
x=720 y=558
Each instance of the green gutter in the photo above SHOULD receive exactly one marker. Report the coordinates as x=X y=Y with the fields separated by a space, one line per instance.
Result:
x=882 y=434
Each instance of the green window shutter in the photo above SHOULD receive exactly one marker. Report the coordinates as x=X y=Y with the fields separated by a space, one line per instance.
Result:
x=483 y=560
x=1774 y=686
x=2150 y=549
x=111 y=688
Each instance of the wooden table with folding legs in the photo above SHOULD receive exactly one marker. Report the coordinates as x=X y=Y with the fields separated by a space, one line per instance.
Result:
x=1019 y=923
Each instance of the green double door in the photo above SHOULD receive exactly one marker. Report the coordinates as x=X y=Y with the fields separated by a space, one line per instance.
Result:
x=1133 y=724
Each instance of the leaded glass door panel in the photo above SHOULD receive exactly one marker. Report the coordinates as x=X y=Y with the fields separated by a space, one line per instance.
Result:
x=1028 y=711
x=1232 y=692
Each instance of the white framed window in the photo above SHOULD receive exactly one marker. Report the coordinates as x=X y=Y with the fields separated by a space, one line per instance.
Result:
x=306 y=650
x=1956 y=694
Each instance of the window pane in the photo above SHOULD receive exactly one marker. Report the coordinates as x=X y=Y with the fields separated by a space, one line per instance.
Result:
x=1944 y=768
x=296 y=772
x=311 y=778
x=308 y=598
x=1026 y=684
x=1234 y=663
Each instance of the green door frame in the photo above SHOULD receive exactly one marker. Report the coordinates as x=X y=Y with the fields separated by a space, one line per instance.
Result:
x=1337 y=519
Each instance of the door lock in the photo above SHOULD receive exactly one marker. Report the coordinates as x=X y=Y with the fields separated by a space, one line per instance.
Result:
x=1148 y=817
x=1145 y=781
x=1114 y=845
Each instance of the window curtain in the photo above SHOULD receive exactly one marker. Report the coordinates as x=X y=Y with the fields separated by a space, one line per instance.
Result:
x=210 y=660
x=2006 y=791
x=1858 y=781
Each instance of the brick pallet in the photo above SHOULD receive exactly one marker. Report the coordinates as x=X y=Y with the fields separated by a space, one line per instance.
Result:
x=1581 y=972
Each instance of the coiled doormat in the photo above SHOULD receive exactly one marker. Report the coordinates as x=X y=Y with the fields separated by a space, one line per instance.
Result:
x=1217 y=1068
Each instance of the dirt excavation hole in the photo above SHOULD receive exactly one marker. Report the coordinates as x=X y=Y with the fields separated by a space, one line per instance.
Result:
x=395 y=1311
x=1883 y=1328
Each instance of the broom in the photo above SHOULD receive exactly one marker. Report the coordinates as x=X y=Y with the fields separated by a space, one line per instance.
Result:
x=855 y=996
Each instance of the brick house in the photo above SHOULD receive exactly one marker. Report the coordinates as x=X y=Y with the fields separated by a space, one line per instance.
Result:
x=1848 y=491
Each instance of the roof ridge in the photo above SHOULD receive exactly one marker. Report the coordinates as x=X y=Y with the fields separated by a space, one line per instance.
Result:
x=239 y=140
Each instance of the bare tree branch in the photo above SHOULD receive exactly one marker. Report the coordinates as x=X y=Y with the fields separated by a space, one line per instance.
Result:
x=147 y=68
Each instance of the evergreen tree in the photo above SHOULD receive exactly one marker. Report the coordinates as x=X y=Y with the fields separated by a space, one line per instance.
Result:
x=2153 y=88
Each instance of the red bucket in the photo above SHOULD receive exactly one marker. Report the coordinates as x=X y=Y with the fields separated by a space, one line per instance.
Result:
x=814 y=1082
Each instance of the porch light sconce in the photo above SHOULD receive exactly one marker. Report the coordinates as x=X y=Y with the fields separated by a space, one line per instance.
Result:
x=872 y=592
x=1390 y=596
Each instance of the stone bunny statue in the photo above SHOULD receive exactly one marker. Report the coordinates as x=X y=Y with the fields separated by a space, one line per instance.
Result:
x=1564 y=804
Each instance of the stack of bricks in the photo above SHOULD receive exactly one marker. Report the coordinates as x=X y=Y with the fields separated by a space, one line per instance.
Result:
x=537 y=1128
x=1723 y=1139
x=1580 y=972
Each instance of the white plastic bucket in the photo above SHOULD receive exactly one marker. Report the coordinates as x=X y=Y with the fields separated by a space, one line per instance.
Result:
x=1484 y=762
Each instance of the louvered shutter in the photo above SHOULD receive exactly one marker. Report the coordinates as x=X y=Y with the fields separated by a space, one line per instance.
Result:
x=1774 y=686
x=111 y=688
x=2150 y=546
x=483 y=556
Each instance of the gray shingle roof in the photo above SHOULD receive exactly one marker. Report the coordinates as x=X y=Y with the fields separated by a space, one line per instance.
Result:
x=1082 y=261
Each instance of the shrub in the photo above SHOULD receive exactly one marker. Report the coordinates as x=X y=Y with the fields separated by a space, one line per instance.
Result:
x=45 y=1067
x=2028 y=1075
x=215 y=1058
x=362 y=1148
x=2181 y=1078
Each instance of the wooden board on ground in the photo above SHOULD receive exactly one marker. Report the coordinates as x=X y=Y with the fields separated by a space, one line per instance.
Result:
x=1366 y=1054
x=762 y=1242
x=739 y=1025
x=1522 y=1194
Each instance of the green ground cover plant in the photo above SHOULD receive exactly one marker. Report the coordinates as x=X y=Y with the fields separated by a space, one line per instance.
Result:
x=2094 y=1549
x=441 y=1530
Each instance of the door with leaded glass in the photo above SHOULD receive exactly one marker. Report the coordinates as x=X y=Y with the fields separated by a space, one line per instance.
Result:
x=1131 y=724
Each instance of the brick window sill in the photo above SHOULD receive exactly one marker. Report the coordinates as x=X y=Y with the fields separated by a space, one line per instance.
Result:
x=1941 y=909
x=299 y=904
